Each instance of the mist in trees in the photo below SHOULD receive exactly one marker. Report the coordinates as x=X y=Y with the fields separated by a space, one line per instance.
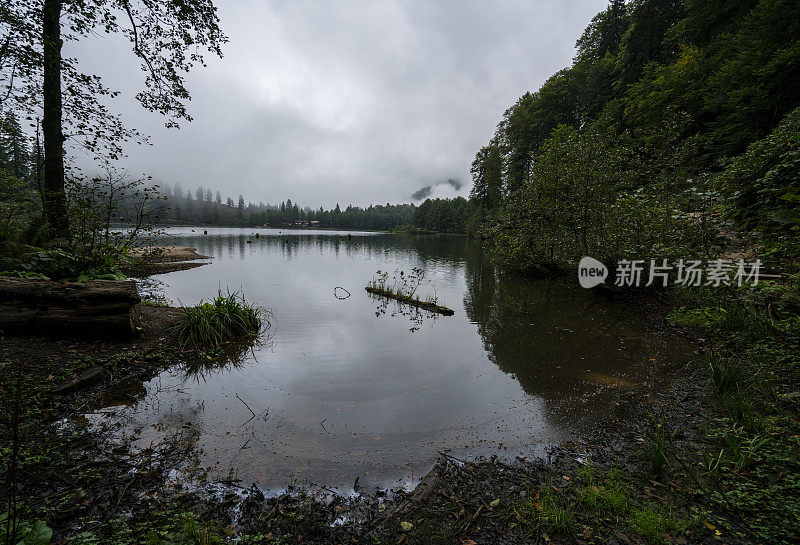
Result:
x=205 y=206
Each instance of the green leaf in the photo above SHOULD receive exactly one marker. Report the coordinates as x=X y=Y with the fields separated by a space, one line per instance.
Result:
x=791 y=197
x=786 y=216
x=38 y=534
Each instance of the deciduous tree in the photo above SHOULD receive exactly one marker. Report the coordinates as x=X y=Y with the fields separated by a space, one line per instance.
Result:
x=168 y=36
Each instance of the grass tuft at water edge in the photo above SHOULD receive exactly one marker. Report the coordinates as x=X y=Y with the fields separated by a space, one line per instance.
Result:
x=224 y=318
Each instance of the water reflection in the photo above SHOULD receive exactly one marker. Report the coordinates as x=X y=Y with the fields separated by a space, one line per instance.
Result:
x=396 y=309
x=358 y=387
x=580 y=353
x=229 y=356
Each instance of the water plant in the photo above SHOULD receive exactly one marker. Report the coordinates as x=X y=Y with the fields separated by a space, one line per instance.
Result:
x=403 y=284
x=226 y=317
x=404 y=288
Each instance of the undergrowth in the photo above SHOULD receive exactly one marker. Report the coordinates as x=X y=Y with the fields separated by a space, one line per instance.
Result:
x=749 y=474
x=596 y=504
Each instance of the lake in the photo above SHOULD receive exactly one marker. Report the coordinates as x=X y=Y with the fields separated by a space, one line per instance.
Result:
x=347 y=387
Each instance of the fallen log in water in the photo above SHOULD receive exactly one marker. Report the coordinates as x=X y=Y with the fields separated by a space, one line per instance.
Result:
x=100 y=308
x=431 y=307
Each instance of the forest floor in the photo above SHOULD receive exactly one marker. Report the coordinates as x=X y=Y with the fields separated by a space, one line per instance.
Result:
x=712 y=460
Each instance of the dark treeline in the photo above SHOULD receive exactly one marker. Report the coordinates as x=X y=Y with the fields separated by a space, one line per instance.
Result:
x=674 y=118
x=443 y=215
x=20 y=168
x=18 y=156
x=206 y=207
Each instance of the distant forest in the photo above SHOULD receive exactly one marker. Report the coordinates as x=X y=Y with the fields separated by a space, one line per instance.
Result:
x=207 y=207
x=22 y=172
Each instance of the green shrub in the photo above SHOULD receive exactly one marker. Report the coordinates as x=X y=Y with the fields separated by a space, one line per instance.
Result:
x=25 y=532
x=60 y=265
x=761 y=185
x=224 y=318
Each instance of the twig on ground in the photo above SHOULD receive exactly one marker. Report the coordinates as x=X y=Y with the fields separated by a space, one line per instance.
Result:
x=472 y=519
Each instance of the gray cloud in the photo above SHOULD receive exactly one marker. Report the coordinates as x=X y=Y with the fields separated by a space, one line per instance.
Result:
x=425 y=192
x=350 y=102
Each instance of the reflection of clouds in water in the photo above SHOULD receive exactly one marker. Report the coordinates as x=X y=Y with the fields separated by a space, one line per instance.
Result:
x=341 y=392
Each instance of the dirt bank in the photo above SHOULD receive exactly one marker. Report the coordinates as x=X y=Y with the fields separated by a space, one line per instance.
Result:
x=65 y=372
x=645 y=484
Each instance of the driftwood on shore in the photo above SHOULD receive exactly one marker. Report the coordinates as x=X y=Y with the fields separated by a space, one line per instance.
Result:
x=100 y=308
x=425 y=305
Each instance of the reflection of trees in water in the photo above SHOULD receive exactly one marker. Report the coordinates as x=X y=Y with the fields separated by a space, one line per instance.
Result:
x=563 y=345
x=202 y=367
x=233 y=355
x=560 y=342
x=445 y=254
x=441 y=251
x=417 y=316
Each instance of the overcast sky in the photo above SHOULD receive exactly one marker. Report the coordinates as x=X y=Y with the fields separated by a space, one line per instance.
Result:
x=349 y=101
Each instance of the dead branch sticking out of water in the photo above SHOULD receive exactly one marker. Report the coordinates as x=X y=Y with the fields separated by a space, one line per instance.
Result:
x=426 y=305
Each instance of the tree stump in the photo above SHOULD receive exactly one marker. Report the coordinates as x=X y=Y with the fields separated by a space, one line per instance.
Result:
x=100 y=308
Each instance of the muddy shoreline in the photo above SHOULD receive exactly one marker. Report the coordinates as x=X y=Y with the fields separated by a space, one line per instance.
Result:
x=133 y=483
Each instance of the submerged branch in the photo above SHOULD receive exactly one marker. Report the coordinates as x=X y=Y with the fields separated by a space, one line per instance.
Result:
x=429 y=306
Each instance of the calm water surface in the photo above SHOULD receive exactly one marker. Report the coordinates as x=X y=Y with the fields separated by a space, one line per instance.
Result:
x=360 y=387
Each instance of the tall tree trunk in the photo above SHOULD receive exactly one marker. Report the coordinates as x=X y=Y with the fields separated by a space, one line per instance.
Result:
x=55 y=198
